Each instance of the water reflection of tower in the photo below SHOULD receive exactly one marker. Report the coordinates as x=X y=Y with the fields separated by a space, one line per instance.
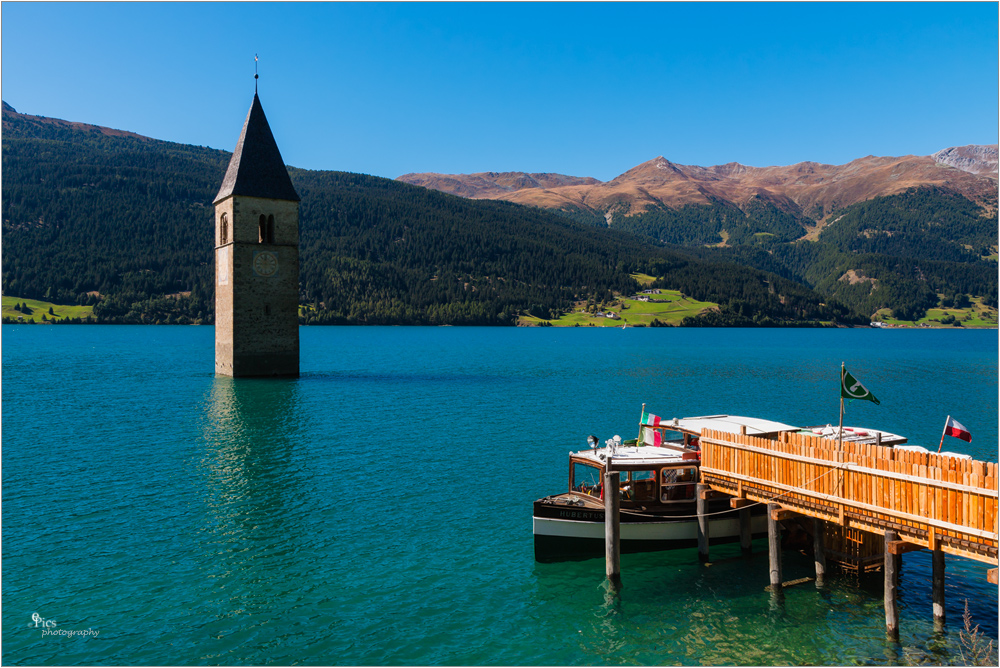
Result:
x=252 y=483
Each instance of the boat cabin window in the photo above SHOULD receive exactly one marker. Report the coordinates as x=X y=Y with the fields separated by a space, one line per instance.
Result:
x=586 y=479
x=677 y=484
x=639 y=485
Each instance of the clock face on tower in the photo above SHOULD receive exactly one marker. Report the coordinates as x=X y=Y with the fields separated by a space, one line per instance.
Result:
x=265 y=263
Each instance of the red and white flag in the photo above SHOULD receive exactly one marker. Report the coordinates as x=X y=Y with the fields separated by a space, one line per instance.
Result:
x=953 y=428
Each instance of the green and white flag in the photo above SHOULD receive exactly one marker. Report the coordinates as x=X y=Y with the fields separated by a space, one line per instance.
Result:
x=851 y=388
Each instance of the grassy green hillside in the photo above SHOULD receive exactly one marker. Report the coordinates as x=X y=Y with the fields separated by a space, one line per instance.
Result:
x=976 y=315
x=663 y=307
x=34 y=310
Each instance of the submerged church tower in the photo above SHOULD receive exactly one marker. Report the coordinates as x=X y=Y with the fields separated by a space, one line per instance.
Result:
x=256 y=259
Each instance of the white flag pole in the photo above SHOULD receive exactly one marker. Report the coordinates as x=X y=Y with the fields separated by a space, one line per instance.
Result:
x=943 y=432
x=640 y=441
x=841 y=427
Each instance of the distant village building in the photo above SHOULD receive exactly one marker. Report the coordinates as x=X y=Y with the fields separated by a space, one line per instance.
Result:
x=256 y=259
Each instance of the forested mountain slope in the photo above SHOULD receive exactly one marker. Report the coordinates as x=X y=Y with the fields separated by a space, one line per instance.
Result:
x=906 y=252
x=877 y=233
x=92 y=215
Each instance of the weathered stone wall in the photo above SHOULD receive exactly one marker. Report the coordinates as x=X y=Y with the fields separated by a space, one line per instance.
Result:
x=257 y=290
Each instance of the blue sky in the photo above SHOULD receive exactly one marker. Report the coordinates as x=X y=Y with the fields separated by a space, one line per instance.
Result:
x=588 y=89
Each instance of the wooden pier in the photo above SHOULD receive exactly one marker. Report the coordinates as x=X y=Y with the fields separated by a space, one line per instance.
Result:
x=864 y=504
x=869 y=504
x=932 y=501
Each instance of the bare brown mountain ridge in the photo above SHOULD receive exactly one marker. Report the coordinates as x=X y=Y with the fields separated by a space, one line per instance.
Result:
x=809 y=189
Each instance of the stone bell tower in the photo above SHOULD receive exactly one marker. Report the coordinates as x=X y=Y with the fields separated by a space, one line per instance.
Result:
x=256 y=259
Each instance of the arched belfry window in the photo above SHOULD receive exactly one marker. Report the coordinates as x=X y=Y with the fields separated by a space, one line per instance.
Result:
x=270 y=229
x=262 y=230
x=223 y=230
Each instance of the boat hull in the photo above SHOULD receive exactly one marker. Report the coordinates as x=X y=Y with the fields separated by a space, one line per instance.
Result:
x=566 y=533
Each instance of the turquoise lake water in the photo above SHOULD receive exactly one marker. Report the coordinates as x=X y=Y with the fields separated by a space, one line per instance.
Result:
x=377 y=510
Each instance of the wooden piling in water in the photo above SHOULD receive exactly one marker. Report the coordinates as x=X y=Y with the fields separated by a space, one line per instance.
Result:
x=745 y=536
x=702 y=507
x=819 y=551
x=891 y=568
x=612 y=528
x=774 y=546
x=937 y=586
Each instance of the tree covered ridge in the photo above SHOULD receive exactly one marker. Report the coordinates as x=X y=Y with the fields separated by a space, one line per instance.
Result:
x=921 y=223
x=126 y=217
x=380 y=251
x=899 y=252
x=125 y=223
x=757 y=222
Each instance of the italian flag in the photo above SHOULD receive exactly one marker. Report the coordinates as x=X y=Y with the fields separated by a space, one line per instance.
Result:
x=953 y=428
x=650 y=420
x=652 y=436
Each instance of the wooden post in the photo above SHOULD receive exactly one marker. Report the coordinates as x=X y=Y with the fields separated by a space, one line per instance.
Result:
x=745 y=536
x=819 y=551
x=702 y=506
x=937 y=585
x=840 y=429
x=774 y=547
x=612 y=528
x=891 y=564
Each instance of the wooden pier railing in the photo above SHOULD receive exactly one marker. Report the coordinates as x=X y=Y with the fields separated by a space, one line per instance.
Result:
x=930 y=500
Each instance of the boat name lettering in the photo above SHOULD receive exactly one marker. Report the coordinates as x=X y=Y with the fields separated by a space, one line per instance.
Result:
x=578 y=514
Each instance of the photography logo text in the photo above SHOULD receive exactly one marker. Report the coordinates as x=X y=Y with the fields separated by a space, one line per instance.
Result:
x=50 y=628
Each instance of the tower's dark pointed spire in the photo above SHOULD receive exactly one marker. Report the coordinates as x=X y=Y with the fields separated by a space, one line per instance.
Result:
x=256 y=168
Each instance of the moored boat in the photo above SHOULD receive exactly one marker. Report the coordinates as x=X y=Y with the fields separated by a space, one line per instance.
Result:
x=658 y=508
x=658 y=474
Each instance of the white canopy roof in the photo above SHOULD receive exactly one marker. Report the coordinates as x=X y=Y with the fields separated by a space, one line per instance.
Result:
x=631 y=455
x=857 y=435
x=731 y=424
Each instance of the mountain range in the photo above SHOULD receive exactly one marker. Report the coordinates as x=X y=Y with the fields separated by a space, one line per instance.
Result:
x=807 y=189
x=123 y=222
